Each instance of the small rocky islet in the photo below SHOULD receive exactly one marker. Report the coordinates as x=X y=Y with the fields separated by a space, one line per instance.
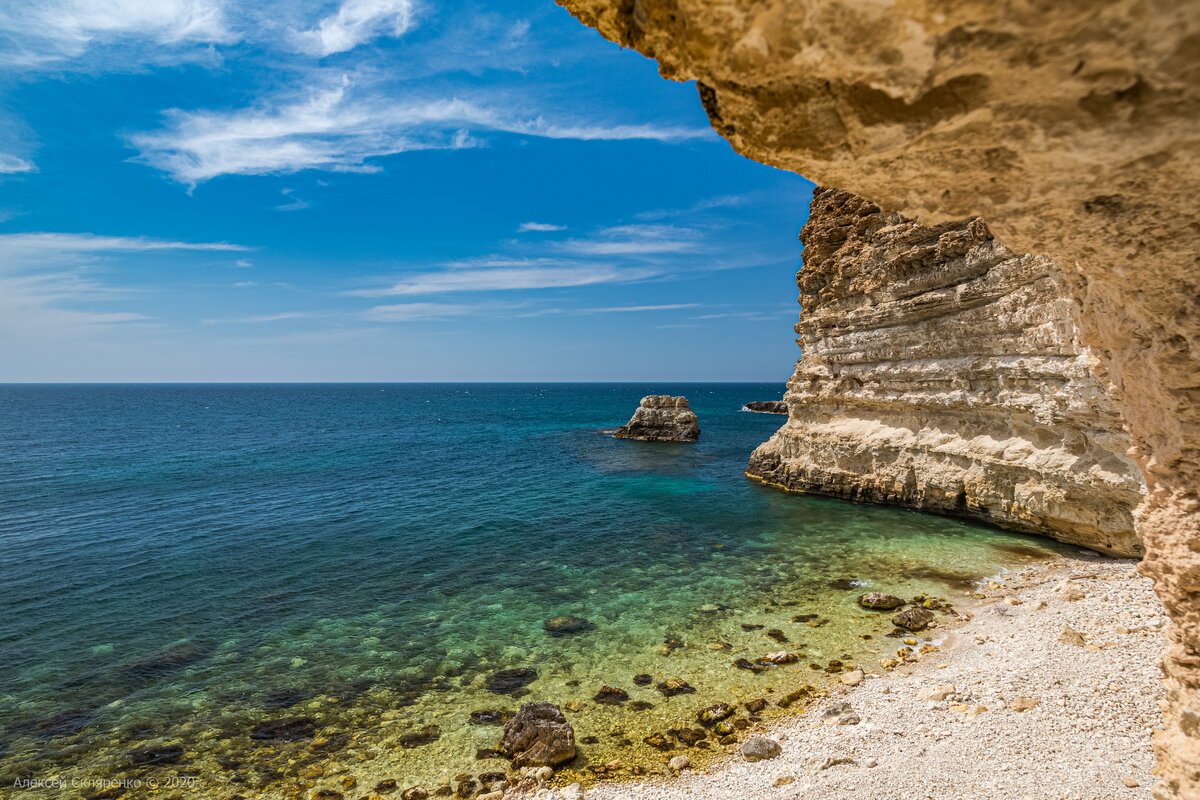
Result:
x=661 y=418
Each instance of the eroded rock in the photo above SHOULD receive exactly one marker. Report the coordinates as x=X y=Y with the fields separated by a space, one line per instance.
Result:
x=539 y=736
x=661 y=418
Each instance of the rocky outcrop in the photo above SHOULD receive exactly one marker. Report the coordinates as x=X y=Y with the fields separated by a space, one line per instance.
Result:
x=767 y=407
x=661 y=418
x=941 y=371
x=539 y=736
x=1072 y=127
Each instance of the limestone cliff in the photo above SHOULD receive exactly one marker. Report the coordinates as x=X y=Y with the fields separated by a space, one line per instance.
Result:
x=1072 y=127
x=942 y=371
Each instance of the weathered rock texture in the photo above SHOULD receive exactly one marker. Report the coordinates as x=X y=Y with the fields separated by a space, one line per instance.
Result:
x=944 y=372
x=661 y=418
x=539 y=736
x=767 y=406
x=1073 y=127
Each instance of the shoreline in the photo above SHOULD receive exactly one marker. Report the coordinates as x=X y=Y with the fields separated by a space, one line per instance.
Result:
x=1047 y=687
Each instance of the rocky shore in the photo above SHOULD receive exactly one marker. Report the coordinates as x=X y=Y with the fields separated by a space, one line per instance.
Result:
x=1047 y=688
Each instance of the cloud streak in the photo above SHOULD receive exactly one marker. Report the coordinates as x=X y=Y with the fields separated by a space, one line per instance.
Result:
x=356 y=22
x=539 y=227
x=333 y=128
x=503 y=279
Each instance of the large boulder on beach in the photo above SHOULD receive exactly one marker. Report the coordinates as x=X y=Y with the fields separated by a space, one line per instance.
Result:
x=538 y=736
x=760 y=748
x=661 y=418
x=914 y=619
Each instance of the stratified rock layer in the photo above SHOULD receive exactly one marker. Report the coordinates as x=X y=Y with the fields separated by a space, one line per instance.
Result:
x=942 y=371
x=1072 y=127
x=661 y=418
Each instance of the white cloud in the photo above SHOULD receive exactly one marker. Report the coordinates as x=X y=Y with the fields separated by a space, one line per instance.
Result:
x=332 y=128
x=618 y=309
x=260 y=319
x=49 y=30
x=10 y=164
x=295 y=203
x=356 y=22
x=243 y=263
x=634 y=240
x=501 y=279
x=539 y=227
x=409 y=312
x=15 y=245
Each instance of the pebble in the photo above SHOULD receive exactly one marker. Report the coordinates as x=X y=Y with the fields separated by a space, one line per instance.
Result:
x=679 y=763
x=853 y=677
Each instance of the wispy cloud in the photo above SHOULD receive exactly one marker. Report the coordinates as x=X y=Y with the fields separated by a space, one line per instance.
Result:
x=255 y=320
x=355 y=22
x=620 y=309
x=635 y=240
x=539 y=227
x=243 y=263
x=333 y=128
x=502 y=279
x=10 y=164
x=40 y=31
x=294 y=204
x=409 y=312
x=18 y=244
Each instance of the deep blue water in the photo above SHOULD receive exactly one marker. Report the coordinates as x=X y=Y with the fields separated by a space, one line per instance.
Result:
x=389 y=546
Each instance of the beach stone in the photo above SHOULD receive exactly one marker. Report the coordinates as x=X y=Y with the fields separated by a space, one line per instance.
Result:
x=566 y=624
x=643 y=679
x=673 y=686
x=1024 y=704
x=747 y=664
x=388 y=785
x=572 y=792
x=777 y=635
x=714 y=713
x=841 y=713
x=692 y=737
x=914 y=619
x=641 y=705
x=760 y=748
x=611 y=696
x=723 y=729
x=508 y=681
x=539 y=735
x=679 y=763
x=658 y=742
x=490 y=796
x=1072 y=637
x=288 y=729
x=936 y=693
x=852 y=678
x=880 y=601
x=755 y=706
x=661 y=418
x=780 y=657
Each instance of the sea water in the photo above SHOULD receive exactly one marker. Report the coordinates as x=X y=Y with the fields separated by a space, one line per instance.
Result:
x=184 y=563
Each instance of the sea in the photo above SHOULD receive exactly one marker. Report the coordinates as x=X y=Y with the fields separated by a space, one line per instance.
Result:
x=287 y=590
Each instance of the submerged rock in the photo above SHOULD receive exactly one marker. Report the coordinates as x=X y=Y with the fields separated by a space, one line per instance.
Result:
x=714 y=713
x=661 y=418
x=781 y=657
x=166 y=661
x=66 y=723
x=611 y=696
x=423 y=736
x=288 y=729
x=673 y=686
x=565 y=625
x=285 y=698
x=880 y=601
x=489 y=717
x=767 y=406
x=845 y=584
x=507 y=681
x=914 y=619
x=148 y=756
x=643 y=679
x=539 y=735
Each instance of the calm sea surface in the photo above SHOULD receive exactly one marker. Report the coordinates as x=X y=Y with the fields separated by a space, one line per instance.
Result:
x=182 y=563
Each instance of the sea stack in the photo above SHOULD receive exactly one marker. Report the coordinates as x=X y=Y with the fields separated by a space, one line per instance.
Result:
x=661 y=418
x=767 y=407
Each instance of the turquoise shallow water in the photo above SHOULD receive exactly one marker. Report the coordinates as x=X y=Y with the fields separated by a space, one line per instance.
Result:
x=183 y=563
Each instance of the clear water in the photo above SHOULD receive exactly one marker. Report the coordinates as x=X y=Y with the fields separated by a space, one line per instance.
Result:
x=182 y=563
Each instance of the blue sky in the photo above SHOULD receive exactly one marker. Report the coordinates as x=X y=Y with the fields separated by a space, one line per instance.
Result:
x=196 y=190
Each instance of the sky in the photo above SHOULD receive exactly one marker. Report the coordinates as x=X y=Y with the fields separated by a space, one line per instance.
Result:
x=373 y=190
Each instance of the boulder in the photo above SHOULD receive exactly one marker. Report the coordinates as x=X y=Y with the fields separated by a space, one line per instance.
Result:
x=508 y=681
x=538 y=736
x=880 y=601
x=760 y=748
x=914 y=619
x=565 y=624
x=661 y=418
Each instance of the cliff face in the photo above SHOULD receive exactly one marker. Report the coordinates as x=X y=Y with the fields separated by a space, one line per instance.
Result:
x=1072 y=127
x=943 y=372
